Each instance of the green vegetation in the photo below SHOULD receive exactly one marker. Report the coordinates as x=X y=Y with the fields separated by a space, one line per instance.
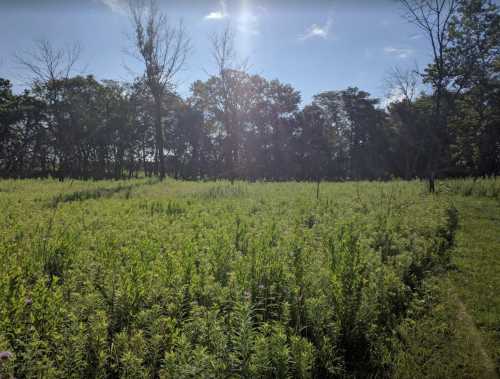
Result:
x=159 y=278
x=476 y=188
x=458 y=328
x=179 y=279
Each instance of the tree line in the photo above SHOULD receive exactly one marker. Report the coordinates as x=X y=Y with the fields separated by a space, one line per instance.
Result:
x=237 y=125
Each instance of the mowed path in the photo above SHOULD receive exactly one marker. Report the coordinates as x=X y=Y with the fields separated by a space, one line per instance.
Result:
x=457 y=334
x=475 y=284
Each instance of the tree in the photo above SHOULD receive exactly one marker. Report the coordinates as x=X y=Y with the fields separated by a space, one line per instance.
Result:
x=434 y=17
x=272 y=113
x=47 y=67
x=358 y=130
x=163 y=49
x=473 y=54
x=191 y=143
x=224 y=54
x=46 y=63
x=410 y=126
x=251 y=132
x=410 y=136
x=236 y=124
x=23 y=137
x=314 y=149
x=402 y=84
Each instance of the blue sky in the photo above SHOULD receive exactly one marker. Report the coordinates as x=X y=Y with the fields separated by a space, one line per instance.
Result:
x=313 y=45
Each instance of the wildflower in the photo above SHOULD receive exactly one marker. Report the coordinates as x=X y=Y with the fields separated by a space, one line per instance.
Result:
x=28 y=301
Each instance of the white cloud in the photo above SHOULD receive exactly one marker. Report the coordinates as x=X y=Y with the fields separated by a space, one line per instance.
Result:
x=317 y=31
x=219 y=14
x=400 y=53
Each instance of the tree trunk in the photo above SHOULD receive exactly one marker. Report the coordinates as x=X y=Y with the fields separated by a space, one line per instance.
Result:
x=432 y=188
x=229 y=158
x=435 y=139
x=159 y=138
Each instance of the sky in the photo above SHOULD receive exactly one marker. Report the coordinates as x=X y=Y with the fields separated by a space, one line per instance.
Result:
x=315 y=45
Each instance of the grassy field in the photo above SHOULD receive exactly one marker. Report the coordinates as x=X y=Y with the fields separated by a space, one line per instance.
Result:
x=181 y=279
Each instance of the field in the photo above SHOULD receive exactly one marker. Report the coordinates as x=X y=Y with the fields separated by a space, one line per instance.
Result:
x=180 y=279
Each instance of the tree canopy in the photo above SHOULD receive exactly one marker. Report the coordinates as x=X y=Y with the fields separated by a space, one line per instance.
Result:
x=237 y=124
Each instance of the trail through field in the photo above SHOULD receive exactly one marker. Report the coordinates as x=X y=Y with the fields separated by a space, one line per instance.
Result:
x=475 y=338
x=474 y=285
x=459 y=334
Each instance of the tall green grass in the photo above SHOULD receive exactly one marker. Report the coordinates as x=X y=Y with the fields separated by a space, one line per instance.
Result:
x=473 y=187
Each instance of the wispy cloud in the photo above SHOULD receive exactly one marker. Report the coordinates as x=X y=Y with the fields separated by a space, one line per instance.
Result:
x=117 y=6
x=317 y=31
x=398 y=52
x=219 y=14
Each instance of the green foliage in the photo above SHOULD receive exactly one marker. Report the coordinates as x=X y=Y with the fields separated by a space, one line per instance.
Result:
x=476 y=187
x=211 y=280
